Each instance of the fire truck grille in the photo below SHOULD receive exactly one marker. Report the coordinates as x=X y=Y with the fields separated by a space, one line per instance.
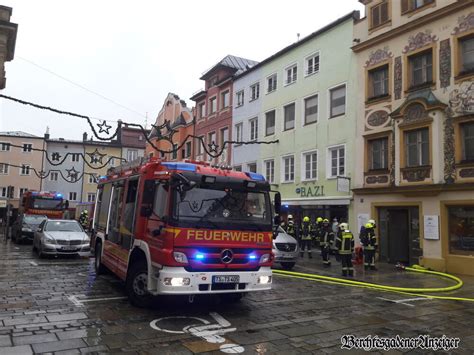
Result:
x=286 y=246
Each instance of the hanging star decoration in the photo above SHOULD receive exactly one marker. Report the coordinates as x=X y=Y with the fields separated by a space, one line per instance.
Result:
x=72 y=174
x=104 y=127
x=42 y=174
x=96 y=157
x=213 y=147
x=56 y=156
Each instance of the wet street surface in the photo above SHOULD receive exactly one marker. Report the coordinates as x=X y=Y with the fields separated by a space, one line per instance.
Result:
x=60 y=306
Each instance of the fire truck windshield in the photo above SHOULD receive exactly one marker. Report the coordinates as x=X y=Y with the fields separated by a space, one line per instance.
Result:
x=212 y=208
x=46 y=204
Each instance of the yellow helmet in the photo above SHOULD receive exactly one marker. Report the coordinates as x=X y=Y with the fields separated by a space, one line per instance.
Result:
x=369 y=225
x=325 y=220
x=306 y=219
x=319 y=219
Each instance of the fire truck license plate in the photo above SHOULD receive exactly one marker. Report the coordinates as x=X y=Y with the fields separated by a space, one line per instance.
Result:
x=226 y=279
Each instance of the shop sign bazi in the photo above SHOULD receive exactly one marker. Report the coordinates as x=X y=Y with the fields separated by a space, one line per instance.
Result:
x=310 y=191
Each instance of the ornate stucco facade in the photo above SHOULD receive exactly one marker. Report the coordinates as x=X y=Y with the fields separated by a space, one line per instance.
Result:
x=415 y=170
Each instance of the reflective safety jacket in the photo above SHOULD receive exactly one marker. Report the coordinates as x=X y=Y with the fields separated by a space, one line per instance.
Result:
x=368 y=239
x=306 y=231
x=290 y=228
x=326 y=236
x=345 y=242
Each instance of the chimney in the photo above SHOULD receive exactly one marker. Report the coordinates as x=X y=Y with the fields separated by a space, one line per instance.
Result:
x=84 y=136
x=119 y=131
x=46 y=134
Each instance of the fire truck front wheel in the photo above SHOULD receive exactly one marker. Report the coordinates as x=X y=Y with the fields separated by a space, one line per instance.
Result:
x=99 y=267
x=137 y=282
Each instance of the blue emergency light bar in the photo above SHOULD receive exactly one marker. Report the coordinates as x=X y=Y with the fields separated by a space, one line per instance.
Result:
x=180 y=166
x=252 y=257
x=199 y=256
x=255 y=176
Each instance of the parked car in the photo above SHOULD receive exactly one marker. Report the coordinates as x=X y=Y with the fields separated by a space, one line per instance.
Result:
x=25 y=226
x=285 y=248
x=61 y=237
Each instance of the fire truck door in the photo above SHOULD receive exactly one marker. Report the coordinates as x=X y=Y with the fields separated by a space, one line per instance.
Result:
x=112 y=248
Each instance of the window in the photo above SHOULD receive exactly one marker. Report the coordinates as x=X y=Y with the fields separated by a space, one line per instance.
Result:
x=140 y=137
x=461 y=230
x=312 y=64
x=291 y=74
x=75 y=157
x=91 y=197
x=174 y=153
x=466 y=45
x=72 y=196
x=53 y=176
x=270 y=171
x=112 y=162
x=200 y=148
x=255 y=91
x=4 y=147
x=240 y=98
x=270 y=123
x=225 y=99
x=417 y=147
x=252 y=167
x=310 y=165
x=421 y=68
x=311 y=109
x=213 y=105
x=337 y=164
x=272 y=83
x=239 y=132
x=224 y=147
x=202 y=110
x=25 y=169
x=379 y=14
x=22 y=191
x=132 y=154
x=378 y=82
x=211 y=140
x=467 y=130
x=289 y=168
x=27 y=147
x=92 y=179
x=337 y=101
x=187 y=154
x=410 y=5
x=213 y=80
x=253 y=129
x=3 y=169
x=3 y=191
x=378 y=154
x=238 y=168
x=289 y=111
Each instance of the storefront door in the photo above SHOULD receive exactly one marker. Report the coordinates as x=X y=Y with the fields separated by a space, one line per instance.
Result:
x=398 y=232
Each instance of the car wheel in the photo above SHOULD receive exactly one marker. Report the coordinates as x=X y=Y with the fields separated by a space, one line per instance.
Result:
x=231 y=297
x=136 y=285
x=40 y=252
x=288 y=266
x=99 y=267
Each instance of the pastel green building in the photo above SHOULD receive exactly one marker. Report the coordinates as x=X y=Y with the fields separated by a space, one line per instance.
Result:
x=308 y=104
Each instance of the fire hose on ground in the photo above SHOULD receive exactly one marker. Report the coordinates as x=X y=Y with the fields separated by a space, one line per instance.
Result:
x=403 y=290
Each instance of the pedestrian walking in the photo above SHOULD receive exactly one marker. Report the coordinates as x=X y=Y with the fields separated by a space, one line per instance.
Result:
x=345 y=248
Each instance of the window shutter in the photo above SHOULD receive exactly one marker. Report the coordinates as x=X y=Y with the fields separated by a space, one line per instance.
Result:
x=405 y=6
x=375 y=16
x=384 y=12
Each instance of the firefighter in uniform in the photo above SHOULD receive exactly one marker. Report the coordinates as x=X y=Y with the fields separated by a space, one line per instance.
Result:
x=84 y=219
x=316 y=231
x=290 y=227
x=345 y=247
x=326 y=239
x=369 y=242
x=306 y=237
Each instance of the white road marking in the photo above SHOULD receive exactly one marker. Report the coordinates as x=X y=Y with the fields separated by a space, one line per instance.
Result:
x=33 y=263
x=16 y=248
x=79 y=300
x=404 y=301
x=209 y=332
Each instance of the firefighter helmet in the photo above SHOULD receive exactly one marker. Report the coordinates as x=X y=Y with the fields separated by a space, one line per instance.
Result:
x=372 y=221
x=319 y=219
x=369 y=225
x=325 y=220
x=306 y=219
x=290 y=216
x=343 y=226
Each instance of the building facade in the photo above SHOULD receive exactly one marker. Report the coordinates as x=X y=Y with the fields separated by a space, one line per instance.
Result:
x=20 y=165
x=214 y=109
x=306 y=102
x=415 y=170
x=132 y=141
x=8 y=31
x=178 y=131
x=64 y=167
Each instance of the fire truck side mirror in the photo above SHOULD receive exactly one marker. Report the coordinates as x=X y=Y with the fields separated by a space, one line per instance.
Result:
x=276 y=220
x=277 y=203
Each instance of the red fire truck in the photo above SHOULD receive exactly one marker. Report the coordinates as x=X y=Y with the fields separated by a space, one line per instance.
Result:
x=184 y=229
x=50 y=204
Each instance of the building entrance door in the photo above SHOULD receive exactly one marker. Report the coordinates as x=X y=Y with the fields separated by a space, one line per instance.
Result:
x=398 y=236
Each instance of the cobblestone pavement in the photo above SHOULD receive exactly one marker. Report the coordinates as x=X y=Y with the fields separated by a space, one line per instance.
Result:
x=59 y=306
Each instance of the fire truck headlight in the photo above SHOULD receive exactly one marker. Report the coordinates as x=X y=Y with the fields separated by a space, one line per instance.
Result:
x=177 y=281
x=264 y=279
x=265 y=258
x=180 y=257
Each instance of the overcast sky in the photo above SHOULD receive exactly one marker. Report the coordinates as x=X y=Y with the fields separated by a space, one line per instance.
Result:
x=135 y=52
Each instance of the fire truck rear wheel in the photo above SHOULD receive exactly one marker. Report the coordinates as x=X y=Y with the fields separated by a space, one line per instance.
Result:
x=137 y=283
x=99 y=267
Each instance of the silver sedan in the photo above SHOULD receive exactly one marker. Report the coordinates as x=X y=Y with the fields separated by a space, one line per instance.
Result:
x=61 y=237
x=285 y=249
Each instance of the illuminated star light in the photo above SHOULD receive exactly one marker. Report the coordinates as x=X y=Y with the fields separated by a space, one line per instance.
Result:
x=96 y=157
x=73 y=174
x=56 y=156
x=213 y=147
x=104 y=127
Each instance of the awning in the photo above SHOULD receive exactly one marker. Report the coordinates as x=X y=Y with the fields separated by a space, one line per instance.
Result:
x=317 y=201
